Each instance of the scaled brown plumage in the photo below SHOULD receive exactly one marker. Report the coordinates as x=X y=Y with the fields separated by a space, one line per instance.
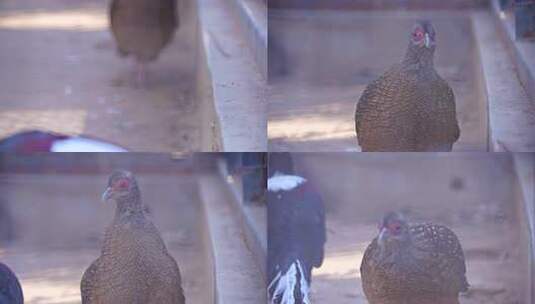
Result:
x=134 y=265
x=418 y=264
x=410 y=107
x=142 y=28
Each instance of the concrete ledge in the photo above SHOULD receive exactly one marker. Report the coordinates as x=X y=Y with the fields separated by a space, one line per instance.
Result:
x=377 y=4
x=511 y=113
x=254 y=20
x=94 y=163
x=237 y=278
x=211 y=137
x=525 y=172
x=523 y=51
x=253 y=219
x=231 y=84
x=209 y=255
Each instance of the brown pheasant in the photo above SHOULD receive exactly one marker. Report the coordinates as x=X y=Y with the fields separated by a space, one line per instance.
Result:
x=134 y=265
x=142 y=28
x=410 y=107
x=419 y=264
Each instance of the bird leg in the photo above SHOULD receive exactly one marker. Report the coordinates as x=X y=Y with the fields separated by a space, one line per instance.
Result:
x=141 y=74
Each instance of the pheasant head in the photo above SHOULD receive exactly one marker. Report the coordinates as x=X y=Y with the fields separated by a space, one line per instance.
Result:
x=122 y=189
x=422 y=44
x=393 y=233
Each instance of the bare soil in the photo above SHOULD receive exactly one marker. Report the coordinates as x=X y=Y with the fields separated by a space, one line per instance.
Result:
x=60 y=72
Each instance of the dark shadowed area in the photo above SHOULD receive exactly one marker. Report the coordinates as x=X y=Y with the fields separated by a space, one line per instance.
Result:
x=321 y=61
x=58 y=221
x=477 y=196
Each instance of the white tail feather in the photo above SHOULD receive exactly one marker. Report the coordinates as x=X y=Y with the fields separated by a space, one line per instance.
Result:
x=285 y=285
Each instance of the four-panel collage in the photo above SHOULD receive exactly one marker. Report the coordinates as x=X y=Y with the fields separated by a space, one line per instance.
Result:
x=211 y=151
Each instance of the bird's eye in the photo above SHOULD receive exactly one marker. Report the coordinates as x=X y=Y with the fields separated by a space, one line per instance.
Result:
x=395 y=228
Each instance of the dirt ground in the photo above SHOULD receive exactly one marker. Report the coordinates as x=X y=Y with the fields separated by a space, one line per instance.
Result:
x=60 y=72
x=321 y=61
x=474 y=195
x=60 y=221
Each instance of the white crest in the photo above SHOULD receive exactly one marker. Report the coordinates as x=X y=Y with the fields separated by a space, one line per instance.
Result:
x=286 y=283
x=280 y=182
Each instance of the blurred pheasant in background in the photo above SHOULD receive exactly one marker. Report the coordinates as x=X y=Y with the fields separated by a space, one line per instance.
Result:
x=10 y=290
x=134 y=265
x=410 y=107
x=41 y=141
x=142 y=28
x=296 y=232
x=413 y=264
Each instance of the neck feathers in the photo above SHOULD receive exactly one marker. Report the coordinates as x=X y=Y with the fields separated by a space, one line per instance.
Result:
x=129 y=205
x=282 y=182
x=419 y=57
x=391 y=250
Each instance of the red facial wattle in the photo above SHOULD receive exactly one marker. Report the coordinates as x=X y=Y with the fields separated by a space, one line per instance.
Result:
x=121 y=184
x=418 y=35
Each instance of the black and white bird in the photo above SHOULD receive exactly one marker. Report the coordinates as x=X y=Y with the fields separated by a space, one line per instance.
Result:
x=10 y=290
x=296 y=232
x=40 y=141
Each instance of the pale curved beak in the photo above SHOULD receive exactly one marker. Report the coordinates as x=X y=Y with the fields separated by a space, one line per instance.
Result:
x=104 y=196
x=427 y=41
x=382 y=236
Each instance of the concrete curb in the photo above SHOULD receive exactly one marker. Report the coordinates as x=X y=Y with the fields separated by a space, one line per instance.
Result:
x=233 y=263
x=522 y=51
x=255 y=233
x=209 y=255
x=524 y=164
x=377 y=4
x=230 y=85
x=254 y=19
x=511 y=114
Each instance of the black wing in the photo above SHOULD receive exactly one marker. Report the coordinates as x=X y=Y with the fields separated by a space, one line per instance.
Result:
x=314 y=234
x=10 y=289
x=296 y=229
